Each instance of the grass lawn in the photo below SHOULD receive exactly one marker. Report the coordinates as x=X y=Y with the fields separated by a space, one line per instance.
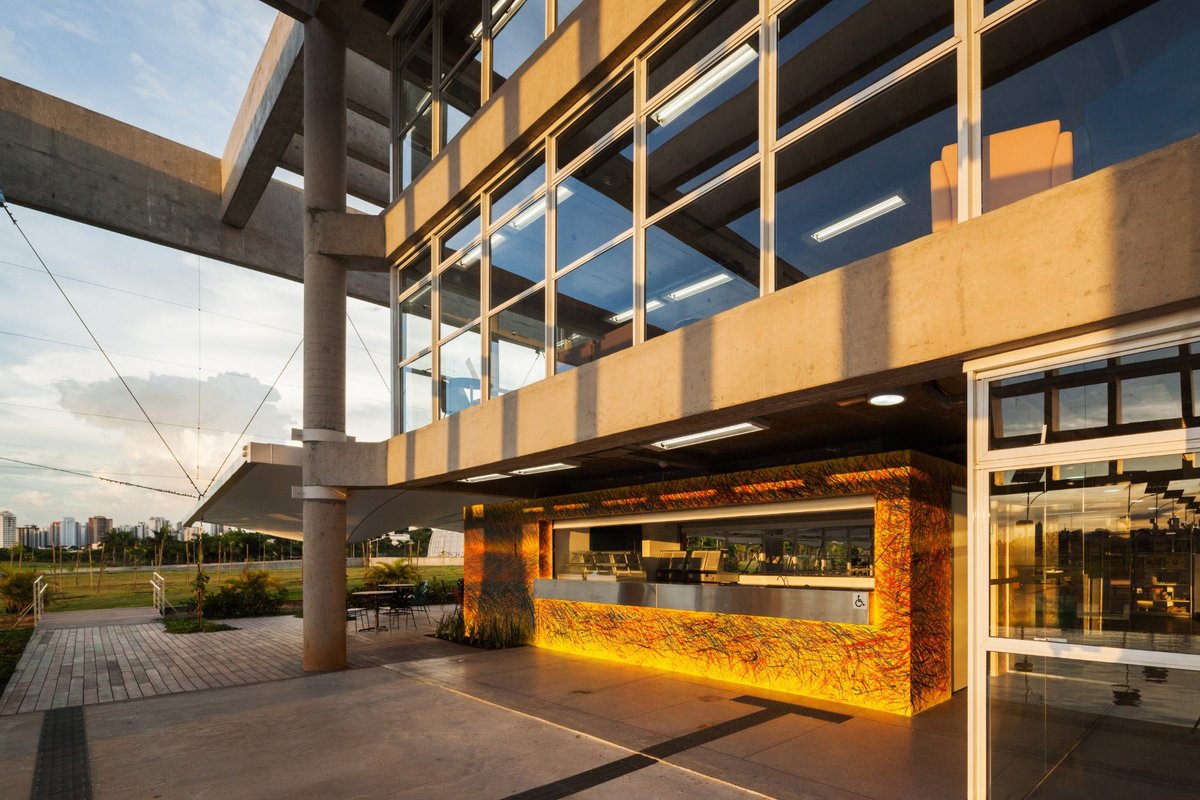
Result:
x=80 y=592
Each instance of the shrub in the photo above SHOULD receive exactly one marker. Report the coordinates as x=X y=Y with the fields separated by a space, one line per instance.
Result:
x=255 y=593
x=16 y=590
x=390 y=572
x=187 y=625
x=488 y=633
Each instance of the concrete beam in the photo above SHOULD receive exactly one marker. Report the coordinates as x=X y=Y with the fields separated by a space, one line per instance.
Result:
x=368 y=88
x=300 y=10
x=65 y=160
x=362 y=181
x=354 y=239
x=271 y=112
x=1088 y=254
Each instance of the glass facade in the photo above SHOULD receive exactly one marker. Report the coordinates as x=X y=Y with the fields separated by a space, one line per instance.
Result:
x=759 y=150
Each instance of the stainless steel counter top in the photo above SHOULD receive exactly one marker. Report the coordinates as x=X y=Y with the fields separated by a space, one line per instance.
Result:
x=828 y=604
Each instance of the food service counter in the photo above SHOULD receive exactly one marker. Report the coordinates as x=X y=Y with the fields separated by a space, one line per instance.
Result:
x=827 y=604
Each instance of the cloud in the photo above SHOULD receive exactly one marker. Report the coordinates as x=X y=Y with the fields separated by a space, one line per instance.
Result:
x=9 y=44
x=76 y=27
x=34 y=498
x=148 y=80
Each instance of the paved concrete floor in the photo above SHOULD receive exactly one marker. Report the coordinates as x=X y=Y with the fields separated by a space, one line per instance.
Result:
x=447 y=721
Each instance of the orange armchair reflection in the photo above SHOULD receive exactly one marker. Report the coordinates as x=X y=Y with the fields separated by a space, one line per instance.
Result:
x=1016 y=164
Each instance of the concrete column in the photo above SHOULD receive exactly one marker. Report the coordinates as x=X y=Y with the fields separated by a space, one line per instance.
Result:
x=324 y=337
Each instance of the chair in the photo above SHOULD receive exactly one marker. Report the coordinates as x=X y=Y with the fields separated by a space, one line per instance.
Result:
x=421 y=600
x=1017 y=163
x=459 y=590
x=358 y=616
x=401 y=606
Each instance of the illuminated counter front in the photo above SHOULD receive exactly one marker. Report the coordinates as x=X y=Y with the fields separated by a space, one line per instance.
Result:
x=848 y=605
x=854 y=607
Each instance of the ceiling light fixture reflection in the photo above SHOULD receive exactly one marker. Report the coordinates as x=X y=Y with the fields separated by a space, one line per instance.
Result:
x=555 y=467
x=625 y=316
x=886 y=399
x=477 y=31
x=535 y=211
x=470 y=257
x=725 y=69
x=854 y=220
x=701 y=286
x=491 y=476
x=712 y=435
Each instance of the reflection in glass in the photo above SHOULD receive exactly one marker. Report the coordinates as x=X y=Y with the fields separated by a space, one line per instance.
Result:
x=594 y=304
x=416 y=387
x=1087 y=554
x=416 y=146
x=705 y=34
x=522 y=184
x=598 y=120
x=1153 y=397
x=1064 y=83
x=1063 y=729
x=461 y=234
x=461 y=94
x=1082 y=407
x=863 y=183
x=519 y=252
x=1195 y=389
x=706 y=127
x=460 y=294
x=462 y=24
x=565 y=7
x=518 y=27
x=518 y=356
x=818 y=70
x=787 y=546
x=416 y=322
x=703 y=258
x=415 y=270
x=595 y=205
x=460 y=384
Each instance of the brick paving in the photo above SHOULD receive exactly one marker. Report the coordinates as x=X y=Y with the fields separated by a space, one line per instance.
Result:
x=88 y=659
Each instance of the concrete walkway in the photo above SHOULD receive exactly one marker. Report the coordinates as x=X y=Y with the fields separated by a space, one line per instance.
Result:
x=442 y=720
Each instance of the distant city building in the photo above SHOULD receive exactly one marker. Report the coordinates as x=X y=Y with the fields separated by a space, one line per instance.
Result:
x=33 y=536
x=70 y=533
x=8 y=533
x=98 y=528
x=155 y=524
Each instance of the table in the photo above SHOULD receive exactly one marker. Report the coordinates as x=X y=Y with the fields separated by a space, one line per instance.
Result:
x=374 y=597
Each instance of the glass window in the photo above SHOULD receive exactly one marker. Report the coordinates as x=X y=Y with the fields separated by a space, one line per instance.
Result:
x=1082 y=407
x=594 y=304
x=415 y=271
x=764 y=548
x=1153 y=397
x=1069 y=729
x=598 y=120
x=703 y=258
x=416 y=146
x=700 y=38
x=459 y=386
x=462 y=26
x=830 y=51
x=521 y=185
x=459 y=294
x=1070 y=88
x=868 y=180
x=464 y=231
x=595 y=204
x=707 y=126
x=518 y=28
x=1090 y=555
x=518 y=344
x=519 y=252
x=461 y=94
x=1020 y=415
x=416 y=322
x=565 y=7
x=416 y=389
x=1195 y=392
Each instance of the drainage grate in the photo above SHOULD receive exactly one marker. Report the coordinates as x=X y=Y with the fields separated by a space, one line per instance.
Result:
x=62 y=761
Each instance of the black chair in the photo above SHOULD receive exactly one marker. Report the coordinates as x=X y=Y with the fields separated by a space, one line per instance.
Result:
x=421 y=600
x=401 y=606
x=358 y=616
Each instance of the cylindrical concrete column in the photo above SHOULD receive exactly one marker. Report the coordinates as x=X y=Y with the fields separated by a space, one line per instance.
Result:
x=324 y=338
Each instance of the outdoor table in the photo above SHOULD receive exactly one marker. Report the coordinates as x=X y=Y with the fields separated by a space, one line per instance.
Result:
x=374 y=597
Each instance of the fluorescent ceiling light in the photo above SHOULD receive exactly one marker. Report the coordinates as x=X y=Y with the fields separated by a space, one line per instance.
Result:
x=555 y=467
x=470 y=257
x=625 y=316
x=477 y=31
x=491 y=476
x=725 y=69
x=854 y=220
x=535 y=211
x=711 y=435
x=886 y=399
x=701 y=286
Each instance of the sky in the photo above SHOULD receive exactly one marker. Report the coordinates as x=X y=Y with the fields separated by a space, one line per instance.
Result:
x=199 y=342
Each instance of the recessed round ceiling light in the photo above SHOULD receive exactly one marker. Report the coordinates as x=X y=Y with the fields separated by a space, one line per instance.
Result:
x=886 y=399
